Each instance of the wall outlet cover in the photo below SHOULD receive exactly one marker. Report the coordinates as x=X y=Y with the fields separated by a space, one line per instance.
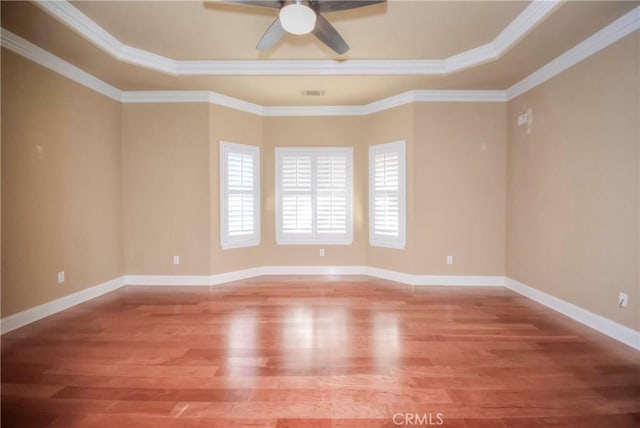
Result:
x=623 y=300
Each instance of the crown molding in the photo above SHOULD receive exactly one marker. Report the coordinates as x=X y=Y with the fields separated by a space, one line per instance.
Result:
x=349 y=110
x=470 y=58
x=66 y=13
x=143 y=97
x=613 y=32
x=528 y=19
x=235 y=103
x=210 y=97
x=531 y=17
x=38 y=55
x=464 y=96
x=433 y=96
x=310 y=67
x=618 y=29
x=272 y=111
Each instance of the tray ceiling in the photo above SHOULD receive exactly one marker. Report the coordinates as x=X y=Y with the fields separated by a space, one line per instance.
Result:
x=396 y=30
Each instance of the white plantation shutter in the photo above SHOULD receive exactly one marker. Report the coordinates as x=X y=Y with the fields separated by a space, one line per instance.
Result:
x=387 y=189
x=297 y=206
x=240 y=198
x=313 y=195
x=240 y=195
x=331 y=173
x=387 y=194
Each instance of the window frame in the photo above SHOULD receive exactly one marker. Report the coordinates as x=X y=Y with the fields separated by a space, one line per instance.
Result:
x=377 y=240
x=314 y=152
x=251 y=240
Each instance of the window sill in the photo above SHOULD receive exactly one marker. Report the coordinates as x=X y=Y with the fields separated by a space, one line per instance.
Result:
x=312 y=242
x=232 y=245
x=394 y=245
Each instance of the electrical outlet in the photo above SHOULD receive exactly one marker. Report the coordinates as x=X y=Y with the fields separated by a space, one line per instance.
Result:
x=449 y=260
x=60 y=277
x=623 y=300
x=176 y=260
x=321 y=252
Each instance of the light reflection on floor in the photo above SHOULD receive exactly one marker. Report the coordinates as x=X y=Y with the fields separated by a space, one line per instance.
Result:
x=312 y=337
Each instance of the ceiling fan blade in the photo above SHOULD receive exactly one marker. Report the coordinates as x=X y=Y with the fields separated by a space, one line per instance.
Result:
x=321 y=6
x=329 y=35
x=272 y=36
x=272 y=4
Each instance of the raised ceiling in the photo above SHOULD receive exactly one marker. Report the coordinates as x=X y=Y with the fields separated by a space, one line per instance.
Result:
x=397 y=30
x=213 y=30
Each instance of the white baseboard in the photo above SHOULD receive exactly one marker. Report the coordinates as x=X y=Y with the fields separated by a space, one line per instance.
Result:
x=621 y=333
x=23 y=318
x=312 y=270
x=174 y=280
x=221 y=278
x=238 y=275
x=461 y=280
x=390 y=275
x=191 y=280
x=405 y=278
x=610 y=328
x=437 y=280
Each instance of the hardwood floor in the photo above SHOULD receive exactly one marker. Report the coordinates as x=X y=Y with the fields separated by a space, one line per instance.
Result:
x=315 y=352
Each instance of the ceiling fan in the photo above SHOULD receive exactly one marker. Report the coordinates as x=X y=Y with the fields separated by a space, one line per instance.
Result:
x=303 y=17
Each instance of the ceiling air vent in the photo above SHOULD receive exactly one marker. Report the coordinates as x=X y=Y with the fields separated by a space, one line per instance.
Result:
x=312 y=93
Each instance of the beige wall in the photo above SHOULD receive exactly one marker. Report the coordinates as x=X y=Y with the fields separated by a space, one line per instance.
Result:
x=459 y=195
x=456 y=190
x=100 y=189
x=171 y=187
x=165 y=151
x=386 y=127
x=313 y=132
x=236 y=127
x=61 y=186
x=166 y=181
x=572 y=222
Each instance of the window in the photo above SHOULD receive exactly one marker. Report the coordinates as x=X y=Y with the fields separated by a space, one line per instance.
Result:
x=387 y=195
x=239 y=195
x=313 y=193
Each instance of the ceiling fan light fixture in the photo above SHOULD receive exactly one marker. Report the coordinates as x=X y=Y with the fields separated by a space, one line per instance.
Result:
x=297 y=19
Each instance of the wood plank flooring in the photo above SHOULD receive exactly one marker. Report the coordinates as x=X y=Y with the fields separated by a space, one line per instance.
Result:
x=315 y=352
